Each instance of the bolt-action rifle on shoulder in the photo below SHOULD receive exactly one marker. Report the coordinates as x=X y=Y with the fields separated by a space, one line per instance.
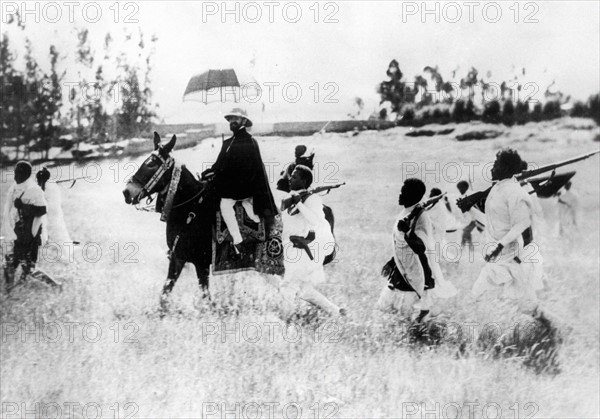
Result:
x=554 y=182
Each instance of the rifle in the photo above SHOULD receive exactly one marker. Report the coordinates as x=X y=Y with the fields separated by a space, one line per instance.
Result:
x=430 y=202
x=534 y=172
x=71 y=180
x=322 y=130
x=466 y=203
x=421 y=206
x=288 y=203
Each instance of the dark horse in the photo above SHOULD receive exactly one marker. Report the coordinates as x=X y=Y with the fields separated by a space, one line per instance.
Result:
x=188 y=208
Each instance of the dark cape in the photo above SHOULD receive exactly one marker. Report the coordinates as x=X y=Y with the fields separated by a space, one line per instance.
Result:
x=240 y=174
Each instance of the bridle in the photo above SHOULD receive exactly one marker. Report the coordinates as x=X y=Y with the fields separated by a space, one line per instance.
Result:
x=166 y=165
x=170 y=188
x=147 y=186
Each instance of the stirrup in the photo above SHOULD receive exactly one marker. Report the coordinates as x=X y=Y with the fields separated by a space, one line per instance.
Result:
x=238 y=251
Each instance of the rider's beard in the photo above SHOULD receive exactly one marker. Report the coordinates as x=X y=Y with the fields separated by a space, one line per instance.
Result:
x=234 y=126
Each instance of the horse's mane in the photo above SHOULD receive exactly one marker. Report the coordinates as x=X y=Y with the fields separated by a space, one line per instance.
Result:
x=187 y=197
x=188 y=177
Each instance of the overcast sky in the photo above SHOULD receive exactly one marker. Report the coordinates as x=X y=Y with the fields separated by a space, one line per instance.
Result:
x=351 y=52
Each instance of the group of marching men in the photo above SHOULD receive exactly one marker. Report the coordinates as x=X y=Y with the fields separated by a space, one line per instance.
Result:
x=509 y=225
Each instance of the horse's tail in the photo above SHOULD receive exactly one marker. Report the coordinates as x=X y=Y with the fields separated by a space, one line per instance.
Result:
x=331 y=220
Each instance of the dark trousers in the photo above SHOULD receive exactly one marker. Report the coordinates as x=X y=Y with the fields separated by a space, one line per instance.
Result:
x=25 y=253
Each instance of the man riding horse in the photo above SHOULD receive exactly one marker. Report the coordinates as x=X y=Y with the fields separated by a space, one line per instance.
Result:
x=188 y=205
x=240 y=176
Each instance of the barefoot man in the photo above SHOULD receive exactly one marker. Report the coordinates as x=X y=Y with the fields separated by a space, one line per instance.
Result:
x=305 y=223
x=414 y=268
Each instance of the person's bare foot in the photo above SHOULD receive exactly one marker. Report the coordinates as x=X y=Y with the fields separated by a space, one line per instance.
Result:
x=422 y=315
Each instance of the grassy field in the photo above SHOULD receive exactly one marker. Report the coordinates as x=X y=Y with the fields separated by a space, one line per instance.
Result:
x=98 y=348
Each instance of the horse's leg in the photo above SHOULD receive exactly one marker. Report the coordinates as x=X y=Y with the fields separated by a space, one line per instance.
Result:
x=175 y=268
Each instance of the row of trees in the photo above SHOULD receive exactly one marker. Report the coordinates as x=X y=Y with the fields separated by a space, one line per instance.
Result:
x=495 y=112
x=415 y=103
x=94 y=95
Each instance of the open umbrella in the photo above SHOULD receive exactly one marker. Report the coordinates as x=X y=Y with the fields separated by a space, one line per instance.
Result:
x=223 y=86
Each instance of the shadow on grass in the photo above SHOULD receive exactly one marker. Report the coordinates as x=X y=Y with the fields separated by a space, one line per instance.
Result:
x=535 y=343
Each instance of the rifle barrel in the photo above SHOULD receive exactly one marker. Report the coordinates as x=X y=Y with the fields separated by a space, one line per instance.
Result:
x=285 y=204
x=70 y=180
x=534 y=172
x=325 y=188
x=433 y=200
x=468 y=201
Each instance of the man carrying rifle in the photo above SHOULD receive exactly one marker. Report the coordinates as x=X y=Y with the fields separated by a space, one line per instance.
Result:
x=509 y=216
x=307 y=241
x=25 y=215
x=414 y=268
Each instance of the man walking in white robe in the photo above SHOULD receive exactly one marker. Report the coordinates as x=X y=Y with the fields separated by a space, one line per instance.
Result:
x=25 y=223
x=304 y=271
x=509 y=219
x=414 y=268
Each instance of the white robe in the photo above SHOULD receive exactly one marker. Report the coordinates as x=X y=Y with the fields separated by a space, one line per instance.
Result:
x=509 y=211
x=57 y=230
x=408 y=262
x=568 y=203
x=409 y=265
x=445 y=226
x=302 y=273
x=537 y=220
x=31 y=194
x=297 y=263
x=456 y=218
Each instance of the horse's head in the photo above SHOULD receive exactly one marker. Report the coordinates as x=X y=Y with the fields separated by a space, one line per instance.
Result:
x=153 y=175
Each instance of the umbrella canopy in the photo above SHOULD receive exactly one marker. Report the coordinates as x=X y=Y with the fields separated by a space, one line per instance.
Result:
x=224 y=86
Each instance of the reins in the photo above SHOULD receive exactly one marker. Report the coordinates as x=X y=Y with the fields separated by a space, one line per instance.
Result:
x=192 y=198
x=171 y=189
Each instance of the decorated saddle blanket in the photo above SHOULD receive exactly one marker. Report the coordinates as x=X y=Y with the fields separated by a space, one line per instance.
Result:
x=263 y=250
